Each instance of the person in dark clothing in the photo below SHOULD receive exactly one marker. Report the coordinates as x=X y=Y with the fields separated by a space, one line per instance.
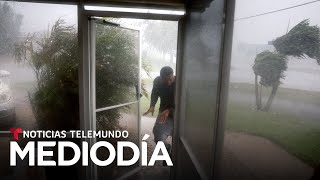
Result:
x=163 y=87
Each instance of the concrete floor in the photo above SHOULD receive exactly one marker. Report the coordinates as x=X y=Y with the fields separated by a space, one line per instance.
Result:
x=256 y=158
x=156 y=172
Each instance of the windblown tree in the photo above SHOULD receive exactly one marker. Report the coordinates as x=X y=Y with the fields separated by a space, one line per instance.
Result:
x=145 y=63
x=302 y=40
x=270 y=67
x=161 y=39
x=55 y=101
x=54 y=58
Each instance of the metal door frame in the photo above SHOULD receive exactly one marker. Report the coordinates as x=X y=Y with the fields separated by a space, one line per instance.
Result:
x=90 y=124
x=222 y=94
x=87 y=74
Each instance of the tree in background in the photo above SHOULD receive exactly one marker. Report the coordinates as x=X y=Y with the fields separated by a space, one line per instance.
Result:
x=161 y=39
x=270 y=67
x=55 y=61
x=117 y=71
x=300 y=41
x=10 y=23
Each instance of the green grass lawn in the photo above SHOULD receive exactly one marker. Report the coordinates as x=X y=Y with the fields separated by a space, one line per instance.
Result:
x=283 y=93
x=297 y=136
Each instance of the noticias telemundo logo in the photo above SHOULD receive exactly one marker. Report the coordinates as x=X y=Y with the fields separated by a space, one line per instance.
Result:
x=39 y=151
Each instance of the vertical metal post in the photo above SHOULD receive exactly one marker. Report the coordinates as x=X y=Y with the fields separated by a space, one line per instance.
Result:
x=86 y=35
x=92 y=75
x=139 y=100
x=223 y=86
x=178 y=98
x=84 y=80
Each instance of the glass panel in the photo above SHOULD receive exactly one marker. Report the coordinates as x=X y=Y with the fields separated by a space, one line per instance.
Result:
x=202 y=56
x=38 y=66
x=272 y=123
x=123 y=119
x=38 y=75
x=117 y=65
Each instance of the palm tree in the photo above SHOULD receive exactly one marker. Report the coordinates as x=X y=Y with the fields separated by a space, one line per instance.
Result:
x=54 y=59
x=302 y=40
x=270 y=67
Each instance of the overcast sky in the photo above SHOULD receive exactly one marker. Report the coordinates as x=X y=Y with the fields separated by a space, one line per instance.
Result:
x=257 y=30
x=301 y=74
x=39 y=16
x=260 y=30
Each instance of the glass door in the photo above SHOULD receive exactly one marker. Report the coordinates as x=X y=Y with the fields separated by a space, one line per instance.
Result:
x=115 y=90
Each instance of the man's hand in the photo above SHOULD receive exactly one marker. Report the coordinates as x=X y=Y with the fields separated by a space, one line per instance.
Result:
x=164 y=115
x=150 y=110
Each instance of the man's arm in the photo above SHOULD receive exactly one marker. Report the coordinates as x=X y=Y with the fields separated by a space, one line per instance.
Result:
x=154 y=93
x=154 y=97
